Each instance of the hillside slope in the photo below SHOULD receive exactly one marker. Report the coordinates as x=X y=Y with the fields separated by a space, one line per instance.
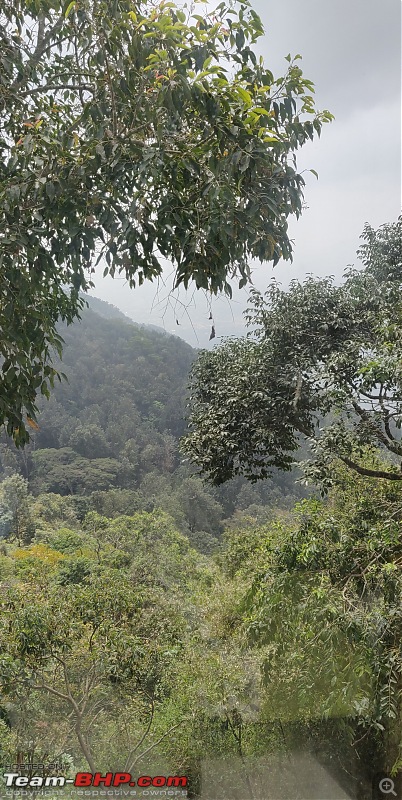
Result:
x=110 y=433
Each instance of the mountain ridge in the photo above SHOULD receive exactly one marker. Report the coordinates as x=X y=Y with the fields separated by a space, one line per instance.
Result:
x=110 y=311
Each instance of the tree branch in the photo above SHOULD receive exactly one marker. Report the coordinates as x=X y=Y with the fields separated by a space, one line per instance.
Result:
x=42 y=43
x=68 y=698
x=112 y=97
x=85 y=747
x=45 y=688
x=41 y=34
x=371 y=473
x=151 y=747
x=396 y=398
x=56 y=87
x=80 y=89
x=392 y=446
x=388 y=429
x=386 y=415
x=145 y=733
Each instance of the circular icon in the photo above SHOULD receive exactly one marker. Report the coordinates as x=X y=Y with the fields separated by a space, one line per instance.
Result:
x=387 y=786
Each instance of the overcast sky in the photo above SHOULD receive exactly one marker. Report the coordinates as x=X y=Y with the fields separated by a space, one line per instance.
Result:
x=352 y=52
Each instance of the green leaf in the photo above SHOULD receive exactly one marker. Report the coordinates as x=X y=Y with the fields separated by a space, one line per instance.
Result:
x=240 y=39
x=69 y=9
x=244 y=163
x=50 y=190
x=245 y=95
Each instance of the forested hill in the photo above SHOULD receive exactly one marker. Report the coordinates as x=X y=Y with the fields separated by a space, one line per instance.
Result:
x=106 y=310
x=109 y=311
x=109 y=434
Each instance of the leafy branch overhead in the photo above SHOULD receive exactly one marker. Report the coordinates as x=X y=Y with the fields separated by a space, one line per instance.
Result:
x=322 y=365
x=134 y=132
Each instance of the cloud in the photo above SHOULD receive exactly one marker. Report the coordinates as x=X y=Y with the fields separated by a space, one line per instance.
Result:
x=351 y=50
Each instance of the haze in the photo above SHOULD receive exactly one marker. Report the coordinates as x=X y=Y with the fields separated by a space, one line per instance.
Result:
x=352 y=52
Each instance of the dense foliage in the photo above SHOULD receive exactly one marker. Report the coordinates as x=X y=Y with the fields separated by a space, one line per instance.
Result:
x=151 y=622
x=134 y=131
x=322 y=604
x=98 y=618
x=322 y=365
x=109 y=435
x=139 y=651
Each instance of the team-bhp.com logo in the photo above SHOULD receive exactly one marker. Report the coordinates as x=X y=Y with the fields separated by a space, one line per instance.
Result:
x=86 y=779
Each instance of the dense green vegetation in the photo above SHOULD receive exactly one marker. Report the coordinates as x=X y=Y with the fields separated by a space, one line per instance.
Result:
x=151 y=621
x=123 y=647
x=321 y=364
x=106 y=535
x=109 y=435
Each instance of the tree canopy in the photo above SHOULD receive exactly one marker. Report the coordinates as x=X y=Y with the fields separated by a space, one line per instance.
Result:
x=322 y=365
x=95 y=637
x=134 y=132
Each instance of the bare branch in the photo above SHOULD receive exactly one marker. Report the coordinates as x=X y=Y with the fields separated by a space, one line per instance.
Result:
x=45 y=688
x=145 y=733
x=151 y=747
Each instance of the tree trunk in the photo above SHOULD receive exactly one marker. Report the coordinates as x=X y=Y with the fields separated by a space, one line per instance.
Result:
x=85 y=747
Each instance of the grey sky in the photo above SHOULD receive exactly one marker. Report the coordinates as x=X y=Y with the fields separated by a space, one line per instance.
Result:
x=352 y=52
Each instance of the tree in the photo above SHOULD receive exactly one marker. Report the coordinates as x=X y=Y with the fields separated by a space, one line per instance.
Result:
x=199 y=507
x=322 y=604
x=15 y=513
x=89 y=441
x=323 y=365
x=88 y=649
x=52 y=511
x=83 y=647
x=134 y=131
x=64 y=472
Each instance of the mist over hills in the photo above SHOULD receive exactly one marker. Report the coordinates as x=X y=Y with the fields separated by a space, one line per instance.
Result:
x=109 y=311
x=109 y=435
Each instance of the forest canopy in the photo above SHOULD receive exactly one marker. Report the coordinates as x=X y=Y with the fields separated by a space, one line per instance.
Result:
x=108 y=438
